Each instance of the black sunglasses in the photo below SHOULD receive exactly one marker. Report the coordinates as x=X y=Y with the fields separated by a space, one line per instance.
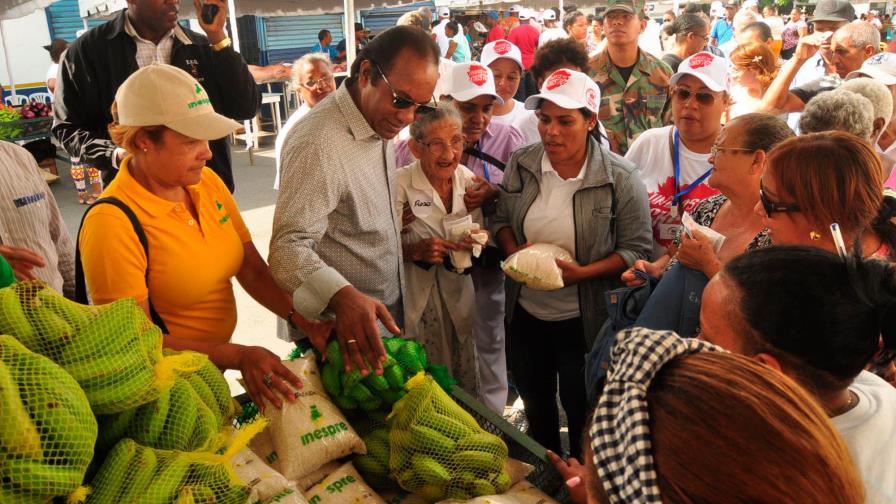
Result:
x=703 y=98
x=403 y=103
x=772 y=207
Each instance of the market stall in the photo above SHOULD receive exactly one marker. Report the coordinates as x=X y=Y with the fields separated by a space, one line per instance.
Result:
x=98 y=412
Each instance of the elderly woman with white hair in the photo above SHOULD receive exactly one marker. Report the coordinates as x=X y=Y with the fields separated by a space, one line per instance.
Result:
x=312 y=76
x=839 y=110
x=439 y=304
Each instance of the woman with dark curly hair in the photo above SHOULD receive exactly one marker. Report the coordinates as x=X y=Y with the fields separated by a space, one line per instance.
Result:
x=753 y=68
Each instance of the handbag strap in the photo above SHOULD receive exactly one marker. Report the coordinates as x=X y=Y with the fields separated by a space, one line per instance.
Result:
x=485 y=157
x=81 y=284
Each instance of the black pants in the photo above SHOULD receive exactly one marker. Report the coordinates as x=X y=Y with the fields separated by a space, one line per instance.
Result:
x=786 y=54
x=540 y=352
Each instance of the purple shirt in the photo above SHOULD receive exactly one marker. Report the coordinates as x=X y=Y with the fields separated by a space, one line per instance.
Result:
x=498 y=140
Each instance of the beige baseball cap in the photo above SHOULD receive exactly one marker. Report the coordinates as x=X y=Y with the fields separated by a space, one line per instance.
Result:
x=163 y=95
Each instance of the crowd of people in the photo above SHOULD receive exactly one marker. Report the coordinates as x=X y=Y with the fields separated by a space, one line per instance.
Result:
x=760 y=366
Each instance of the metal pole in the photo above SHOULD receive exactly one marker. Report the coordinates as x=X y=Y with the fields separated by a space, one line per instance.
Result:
x=561 y=9
x=12 y=80
x=234 y=35
x=350 y=52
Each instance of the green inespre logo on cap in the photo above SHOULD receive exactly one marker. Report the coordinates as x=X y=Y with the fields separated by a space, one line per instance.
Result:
x=630 y=6
x=201 y=101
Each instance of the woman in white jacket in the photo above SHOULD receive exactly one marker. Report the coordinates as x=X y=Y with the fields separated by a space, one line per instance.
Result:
x=440 y=299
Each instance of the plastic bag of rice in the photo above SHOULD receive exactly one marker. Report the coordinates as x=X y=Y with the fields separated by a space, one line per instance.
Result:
x=265 y=484
x=317 y=476
x=310 y=431
x=536 y=266
x=343 y=486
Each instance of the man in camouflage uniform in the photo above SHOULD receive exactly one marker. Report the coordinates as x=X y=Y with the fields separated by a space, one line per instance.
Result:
x=634 y=85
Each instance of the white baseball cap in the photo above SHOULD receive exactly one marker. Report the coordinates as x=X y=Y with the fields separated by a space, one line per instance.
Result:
x=501 y=49
x=880 y=67
x=515 y=8
x=164 y=95
x=444 y=12
x=712 y=70
x=549 y=15
x=568 y=89
x=525 y=14
x=472 y=80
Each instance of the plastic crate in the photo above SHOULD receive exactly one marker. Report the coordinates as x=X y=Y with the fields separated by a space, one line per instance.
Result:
x=519 y=445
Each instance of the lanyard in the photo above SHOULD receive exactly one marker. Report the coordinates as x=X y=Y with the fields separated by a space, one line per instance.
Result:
x=677 y=197
x=485 y=164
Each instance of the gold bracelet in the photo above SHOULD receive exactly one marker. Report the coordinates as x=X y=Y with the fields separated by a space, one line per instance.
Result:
x=222 y=44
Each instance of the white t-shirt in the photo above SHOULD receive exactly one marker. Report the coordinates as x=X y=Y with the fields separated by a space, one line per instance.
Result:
x=52 y=72
x=551 y=34
x=651 y=152
x=550 y=220
x=776 y=25
x=444 y=82
x=281 y=138
x=441 y=39
x=869 y=431
x=649 y=41
x=524 y=120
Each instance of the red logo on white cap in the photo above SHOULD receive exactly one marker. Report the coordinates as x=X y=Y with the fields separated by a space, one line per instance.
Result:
x=700 y=60
x=557 y=79
x=591 y=98
x=502 y=47
x=477 y=75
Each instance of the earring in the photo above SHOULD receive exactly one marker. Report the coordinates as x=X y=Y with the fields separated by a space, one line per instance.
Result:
x=814 y=235
x=144 y=150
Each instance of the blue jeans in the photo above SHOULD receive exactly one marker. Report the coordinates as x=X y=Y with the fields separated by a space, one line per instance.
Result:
x=674 y=304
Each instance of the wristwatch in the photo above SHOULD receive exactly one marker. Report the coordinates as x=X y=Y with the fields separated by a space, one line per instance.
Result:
x=222 y=44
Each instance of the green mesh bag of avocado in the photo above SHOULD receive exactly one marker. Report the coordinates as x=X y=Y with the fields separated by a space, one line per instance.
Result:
x=438 y=451
x=377 y=393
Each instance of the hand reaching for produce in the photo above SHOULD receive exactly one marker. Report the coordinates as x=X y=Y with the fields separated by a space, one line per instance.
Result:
x=359 y=337
x=22 y=261
x=264 y=373
x=573 y=474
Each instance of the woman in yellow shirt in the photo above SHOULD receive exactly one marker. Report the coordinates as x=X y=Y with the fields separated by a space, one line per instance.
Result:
x=196 y=240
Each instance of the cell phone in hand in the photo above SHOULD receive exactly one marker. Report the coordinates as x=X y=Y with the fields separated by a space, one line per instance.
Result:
x=209 y=12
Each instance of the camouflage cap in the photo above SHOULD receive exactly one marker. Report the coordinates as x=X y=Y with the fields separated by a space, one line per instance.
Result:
x=630 y=6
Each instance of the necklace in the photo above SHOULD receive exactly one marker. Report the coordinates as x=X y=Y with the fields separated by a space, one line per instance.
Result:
x=851 y=401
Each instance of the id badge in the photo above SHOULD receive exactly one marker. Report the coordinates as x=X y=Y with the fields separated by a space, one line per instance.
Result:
x=667 y=231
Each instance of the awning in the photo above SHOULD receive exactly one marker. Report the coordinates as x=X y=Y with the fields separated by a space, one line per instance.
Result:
x=12 y=9
x=100 y=8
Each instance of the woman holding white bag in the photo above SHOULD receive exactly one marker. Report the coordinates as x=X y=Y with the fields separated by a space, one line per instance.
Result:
x=569 y=191
x=438 y=244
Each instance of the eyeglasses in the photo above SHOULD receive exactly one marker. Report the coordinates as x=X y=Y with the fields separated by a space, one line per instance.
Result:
x=311 y=83
x=771 y=207
x=403 y=103
x=703 y=98
x=715 y=150
x=439 y=147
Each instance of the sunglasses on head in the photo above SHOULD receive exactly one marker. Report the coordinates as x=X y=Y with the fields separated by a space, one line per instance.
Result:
x=703 y=97
x=771 y=207
x=404 y=103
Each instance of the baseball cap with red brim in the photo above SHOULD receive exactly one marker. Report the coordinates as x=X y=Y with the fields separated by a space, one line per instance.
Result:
x=568 y=89
x=472 y=80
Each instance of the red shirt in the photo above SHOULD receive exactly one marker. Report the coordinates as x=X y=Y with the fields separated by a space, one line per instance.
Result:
x=525 y=36
x=496 y=33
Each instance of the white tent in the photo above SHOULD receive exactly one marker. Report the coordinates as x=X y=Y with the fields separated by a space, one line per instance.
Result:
x=13 y=9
